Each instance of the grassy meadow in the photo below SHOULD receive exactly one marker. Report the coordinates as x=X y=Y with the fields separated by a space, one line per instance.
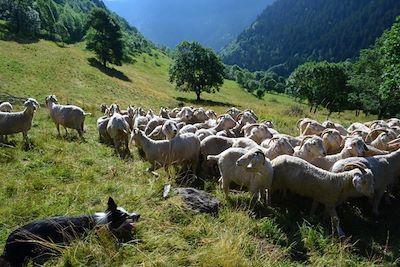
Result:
x=64 y=176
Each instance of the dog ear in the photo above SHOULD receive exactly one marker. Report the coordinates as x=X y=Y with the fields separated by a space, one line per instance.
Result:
x=111 y=204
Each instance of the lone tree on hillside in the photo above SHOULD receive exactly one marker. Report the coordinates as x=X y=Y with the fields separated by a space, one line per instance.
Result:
x=196 y=69
x=105 y=37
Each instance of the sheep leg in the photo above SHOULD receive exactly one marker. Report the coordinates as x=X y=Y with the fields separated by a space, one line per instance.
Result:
x=25 y=135
x=80 y=133
x=58 y=129
x=66 y=132
x=376 y=201
x=335 y=222
x=314 y=207
x=116 y=146
x=225 y=186
x=264 y=197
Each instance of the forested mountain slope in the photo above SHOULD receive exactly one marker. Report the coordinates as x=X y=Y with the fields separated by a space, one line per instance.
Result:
x=168 y=22
x=290 y=32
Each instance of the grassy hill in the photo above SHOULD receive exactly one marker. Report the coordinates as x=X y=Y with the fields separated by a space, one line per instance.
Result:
x=63 y=176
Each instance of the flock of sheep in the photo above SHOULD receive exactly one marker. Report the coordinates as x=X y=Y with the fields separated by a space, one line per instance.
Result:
x=326 y=162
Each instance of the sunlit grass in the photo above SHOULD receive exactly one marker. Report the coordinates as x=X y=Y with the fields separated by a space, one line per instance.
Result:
x=64 y=176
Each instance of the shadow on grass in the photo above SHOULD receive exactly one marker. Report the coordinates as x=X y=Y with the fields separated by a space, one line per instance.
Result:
x=204 y=102
x=370 y=238
x=108 y=71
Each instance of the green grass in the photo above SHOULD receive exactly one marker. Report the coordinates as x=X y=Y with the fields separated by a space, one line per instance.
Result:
x=67 y=177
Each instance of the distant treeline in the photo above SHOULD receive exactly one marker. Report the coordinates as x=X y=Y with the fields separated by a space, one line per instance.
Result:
x=370 y=84
x=62 y=21
x=291 y=32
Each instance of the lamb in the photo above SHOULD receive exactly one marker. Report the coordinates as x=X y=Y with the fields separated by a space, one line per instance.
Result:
x=248 y=169
x=385 y=169
x=69 y=116
x=19 y=122
x=6 y=107
x=183 y=149
x=301 y=177
x=353 y=147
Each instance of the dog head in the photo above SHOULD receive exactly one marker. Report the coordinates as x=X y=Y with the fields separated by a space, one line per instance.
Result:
x=119 y=221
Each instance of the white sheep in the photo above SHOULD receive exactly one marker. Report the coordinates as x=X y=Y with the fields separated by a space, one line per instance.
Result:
x=119 y=131
x=332 y=140
x=277 y=146
x=311 y=147
x=353 y=147
x=385 y=169
x=212 y=145
x=69 y=116
x=300 y=177
x=6 y=107
x=248 y=169
x=19 y=122
x=182 y=149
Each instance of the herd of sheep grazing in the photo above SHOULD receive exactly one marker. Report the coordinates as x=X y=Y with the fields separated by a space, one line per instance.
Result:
x=325 y=162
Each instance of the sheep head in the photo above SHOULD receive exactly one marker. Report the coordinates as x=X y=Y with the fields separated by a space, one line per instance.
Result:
x=252 y=160
x=363 y=178
x=355 y=146
x=50 y=99
x=31 y=103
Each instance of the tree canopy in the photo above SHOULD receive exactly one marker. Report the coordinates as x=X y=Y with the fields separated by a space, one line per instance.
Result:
x=105 y=37
x=196 y=69
x=321 y=84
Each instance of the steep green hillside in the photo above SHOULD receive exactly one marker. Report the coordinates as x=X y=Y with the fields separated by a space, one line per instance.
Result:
x=63 y=176
x=290 y=32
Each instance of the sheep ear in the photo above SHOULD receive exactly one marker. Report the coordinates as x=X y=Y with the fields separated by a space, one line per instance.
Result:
x=357 y=182
x=250 y=165
x=111 y=205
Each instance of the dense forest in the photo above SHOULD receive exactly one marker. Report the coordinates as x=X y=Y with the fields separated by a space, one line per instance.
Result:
x=291 y=32
x=212 y=23
x=62 y=20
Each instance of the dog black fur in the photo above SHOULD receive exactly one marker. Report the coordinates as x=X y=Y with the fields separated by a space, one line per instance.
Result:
x=34 y=241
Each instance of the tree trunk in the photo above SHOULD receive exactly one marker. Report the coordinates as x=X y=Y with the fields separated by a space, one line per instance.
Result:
x=198 y=92
x=105 y=63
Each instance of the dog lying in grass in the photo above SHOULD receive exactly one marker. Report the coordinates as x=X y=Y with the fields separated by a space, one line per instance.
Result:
x=36 y=241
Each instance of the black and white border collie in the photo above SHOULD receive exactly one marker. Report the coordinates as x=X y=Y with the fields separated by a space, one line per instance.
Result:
x=33 y=241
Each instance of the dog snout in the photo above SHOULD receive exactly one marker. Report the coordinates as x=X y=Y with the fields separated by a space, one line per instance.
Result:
x=135 y=217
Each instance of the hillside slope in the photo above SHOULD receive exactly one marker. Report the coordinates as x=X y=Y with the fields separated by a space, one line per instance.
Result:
x=290 y=32
x=63 y=176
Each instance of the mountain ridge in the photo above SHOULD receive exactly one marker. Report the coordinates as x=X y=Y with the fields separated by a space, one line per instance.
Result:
x=288 y=33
